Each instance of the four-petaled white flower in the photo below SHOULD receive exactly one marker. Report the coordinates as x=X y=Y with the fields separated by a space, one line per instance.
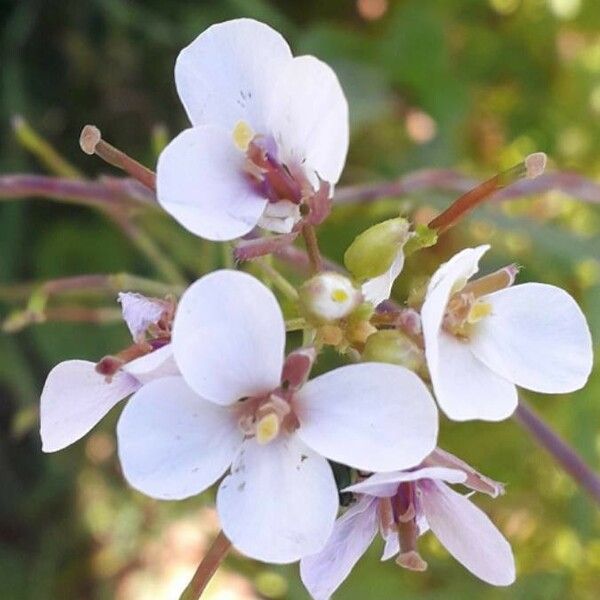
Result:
x=402 y=506
x=77 y=395
x=269 y=133
x=483 y=338
x=239 y=405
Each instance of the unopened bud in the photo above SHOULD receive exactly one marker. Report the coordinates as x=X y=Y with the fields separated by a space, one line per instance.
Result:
x=394 y=347
x=373 y=251
x=328 y=297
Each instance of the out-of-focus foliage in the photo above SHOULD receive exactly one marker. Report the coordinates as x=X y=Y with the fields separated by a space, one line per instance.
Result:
x=471 y=84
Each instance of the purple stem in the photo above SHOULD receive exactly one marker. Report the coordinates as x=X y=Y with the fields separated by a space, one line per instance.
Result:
x=562 y=453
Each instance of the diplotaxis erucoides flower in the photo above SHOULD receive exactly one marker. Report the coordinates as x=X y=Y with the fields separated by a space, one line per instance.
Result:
x=239 y=405
x=404 y=505
x=486 y=336
x=78 y=393
x=269 y=134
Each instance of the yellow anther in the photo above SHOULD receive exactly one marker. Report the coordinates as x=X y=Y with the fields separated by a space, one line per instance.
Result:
x=242 y=135
x=339 y=295
x=479 y=311
x=267 y=428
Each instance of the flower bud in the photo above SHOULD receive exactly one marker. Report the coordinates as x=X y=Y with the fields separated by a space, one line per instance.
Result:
x=394 y=347
x=329 y=297
x=373 y=251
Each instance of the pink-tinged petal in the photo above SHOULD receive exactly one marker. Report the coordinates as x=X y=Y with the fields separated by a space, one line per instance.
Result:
x=139 y=312
x=280 y=501
x=226 y=74
x=75 y=397
x=379 y=288
x=308 y=117
x=391 y=546
x=229 y=337
x=475 y=480
x=465 y=388
x=468 y=534
x=172 y=443
x=353 y=533
x=201 y=183
x=385 y=485
x=370 y=416
x=156 y=364
x=537 y=337
x=297 y=367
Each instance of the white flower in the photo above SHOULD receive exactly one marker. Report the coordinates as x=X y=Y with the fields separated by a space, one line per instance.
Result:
x=482 y=339
x=240 y=406
x=77 y=394
x=403 y=506
x=268 y=130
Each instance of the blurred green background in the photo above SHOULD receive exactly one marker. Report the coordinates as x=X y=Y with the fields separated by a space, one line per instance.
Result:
x=469 y=84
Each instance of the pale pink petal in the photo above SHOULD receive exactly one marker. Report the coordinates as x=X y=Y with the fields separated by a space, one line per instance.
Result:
x=75 y=397
x=226 y=74
x=229 y=337
x=444 y=282
x=174 y=444
x=201 y=183
x=353 y=533
x=468 y=534
x=156 y=364
x=280 y=501
x=467 y=389
x=391 y=546
x=385 y=485
x=371 y=416
x=308 y=117
x=379 y=288
x=139 y=312
x=537 y=337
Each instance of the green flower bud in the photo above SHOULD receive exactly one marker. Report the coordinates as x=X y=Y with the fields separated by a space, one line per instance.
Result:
x=373 y=251
x=328 y=297
x=394 y=347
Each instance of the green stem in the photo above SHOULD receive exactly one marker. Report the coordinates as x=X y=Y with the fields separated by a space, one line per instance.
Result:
x=277 y=279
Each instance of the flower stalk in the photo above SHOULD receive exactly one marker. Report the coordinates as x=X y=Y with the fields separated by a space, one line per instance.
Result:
x=207 y=568
x=570 y=461
x=312 y=248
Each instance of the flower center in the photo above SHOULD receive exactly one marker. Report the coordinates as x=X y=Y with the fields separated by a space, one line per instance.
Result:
x=265 y=417
x=398 y=516
x=468 y=304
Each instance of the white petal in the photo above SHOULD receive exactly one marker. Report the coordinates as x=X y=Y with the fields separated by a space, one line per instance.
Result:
x=468 y=534
x=229 y=337
x=379 y=288
x=536 y=337
x=385 y=485
x=308 y=117
x=225 y=75
x=353 y=533
x=139 y=312
x=156 y=364
x=371 y=416
x=465 y=388
x=75 y=397
x=279 y=502
x=443 y=283
x=172 y=443
x=200 y=183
